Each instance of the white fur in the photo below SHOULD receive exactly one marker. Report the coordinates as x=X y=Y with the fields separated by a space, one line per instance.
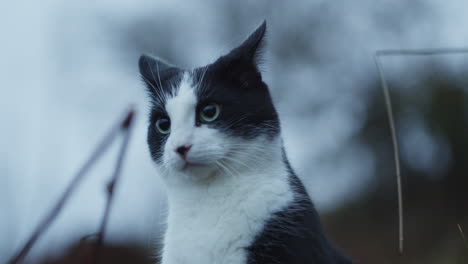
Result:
x=218 y=205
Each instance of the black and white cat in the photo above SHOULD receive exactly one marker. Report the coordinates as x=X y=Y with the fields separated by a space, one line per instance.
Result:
x=215 y=137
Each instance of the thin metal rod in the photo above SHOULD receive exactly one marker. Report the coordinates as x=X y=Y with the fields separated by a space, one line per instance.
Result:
x=47 y=221
x=391 y=120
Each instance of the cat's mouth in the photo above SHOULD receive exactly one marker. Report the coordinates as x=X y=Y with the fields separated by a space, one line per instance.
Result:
x=188 y=166
x=193 y=165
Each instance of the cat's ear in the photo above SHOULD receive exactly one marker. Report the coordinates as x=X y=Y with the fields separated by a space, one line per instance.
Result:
x=252 y=48
x=250 y=52
x=155 y=72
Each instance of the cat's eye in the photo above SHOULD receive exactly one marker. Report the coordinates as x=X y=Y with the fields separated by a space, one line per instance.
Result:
x=163 y=125
x=210 y=112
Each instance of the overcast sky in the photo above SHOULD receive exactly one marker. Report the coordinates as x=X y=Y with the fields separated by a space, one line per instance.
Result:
x=64 y=83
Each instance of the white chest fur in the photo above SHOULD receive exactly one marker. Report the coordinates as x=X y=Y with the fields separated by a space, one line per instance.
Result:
x=214 y=223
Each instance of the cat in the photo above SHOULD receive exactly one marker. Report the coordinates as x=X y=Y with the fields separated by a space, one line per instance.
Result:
x=215 y=137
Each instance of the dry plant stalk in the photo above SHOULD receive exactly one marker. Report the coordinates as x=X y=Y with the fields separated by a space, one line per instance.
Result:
x=388 y=102
x=111 y=185
x=462 y=235
x=122 y=126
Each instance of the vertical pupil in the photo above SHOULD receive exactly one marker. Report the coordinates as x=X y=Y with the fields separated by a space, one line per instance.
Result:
x=164 y=124
x=209 y=111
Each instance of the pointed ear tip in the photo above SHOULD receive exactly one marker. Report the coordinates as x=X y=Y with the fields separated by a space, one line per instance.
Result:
x=261 y=32
x=262 y=28
x=143 y=60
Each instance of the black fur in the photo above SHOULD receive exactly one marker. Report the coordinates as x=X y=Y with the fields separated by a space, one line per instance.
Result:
x=247 y=108
x=157 y=74
x=295 y=234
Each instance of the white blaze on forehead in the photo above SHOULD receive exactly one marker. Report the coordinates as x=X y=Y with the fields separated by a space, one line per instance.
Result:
x=181 y=111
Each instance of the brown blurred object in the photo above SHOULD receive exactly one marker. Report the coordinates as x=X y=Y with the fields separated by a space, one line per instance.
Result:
x=116 y=253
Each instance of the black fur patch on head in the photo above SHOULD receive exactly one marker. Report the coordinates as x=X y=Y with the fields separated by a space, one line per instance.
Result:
x=234 y=82
x=160 y=79
x=156 y=140
x=159 y=76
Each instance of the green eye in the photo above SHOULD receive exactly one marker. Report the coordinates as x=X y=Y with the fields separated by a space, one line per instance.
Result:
x=163 y=125
x=210 y=112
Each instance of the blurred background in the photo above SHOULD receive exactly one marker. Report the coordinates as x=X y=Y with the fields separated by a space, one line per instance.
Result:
x=68 y=70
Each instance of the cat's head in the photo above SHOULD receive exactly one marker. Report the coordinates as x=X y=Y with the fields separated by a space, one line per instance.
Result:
x=216 y=118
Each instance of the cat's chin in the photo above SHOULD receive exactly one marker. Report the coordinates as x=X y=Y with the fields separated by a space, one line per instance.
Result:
x=196 y=171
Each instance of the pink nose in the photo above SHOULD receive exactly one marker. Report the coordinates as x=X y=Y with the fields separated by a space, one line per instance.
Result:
x=183 y=150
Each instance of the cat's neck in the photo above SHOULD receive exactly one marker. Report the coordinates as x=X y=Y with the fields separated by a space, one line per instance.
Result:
x=210 y=221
